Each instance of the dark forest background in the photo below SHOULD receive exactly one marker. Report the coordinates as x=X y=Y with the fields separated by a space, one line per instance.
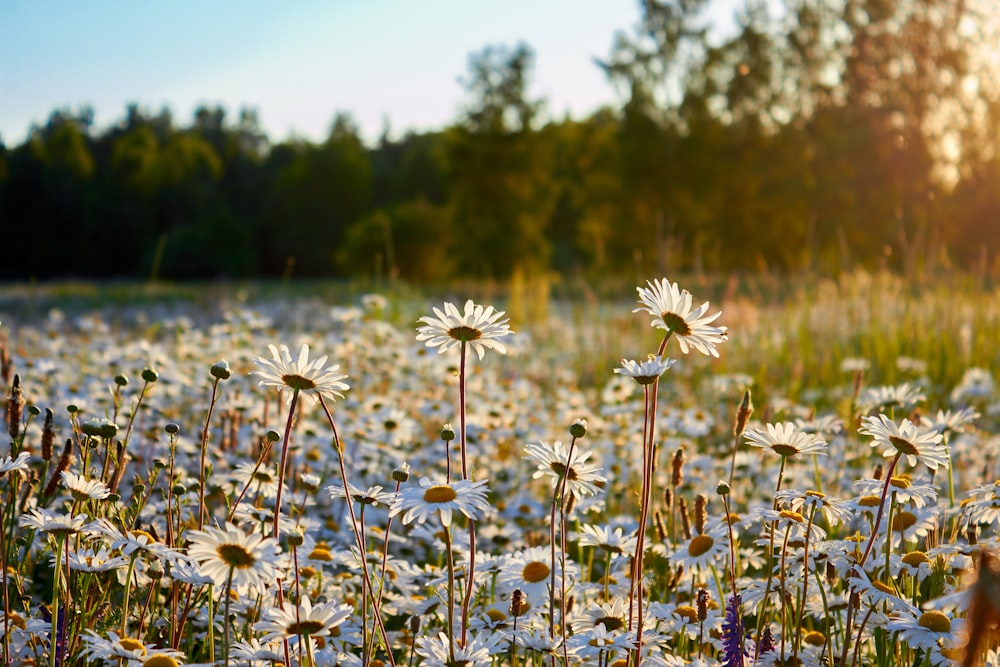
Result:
x=831 y=136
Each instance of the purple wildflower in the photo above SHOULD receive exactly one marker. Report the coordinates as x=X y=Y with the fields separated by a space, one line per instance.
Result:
x=766 y=642
x=732 y=634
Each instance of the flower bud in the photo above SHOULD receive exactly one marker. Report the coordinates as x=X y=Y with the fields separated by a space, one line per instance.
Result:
x=402 y=473
x=447 y=433
x=296 y=538
x=220 y=370
x=149 y=375
x=272 y=436
x=722 y=488
x=172 y=428
x=34 y=410
x=743 y=414
x=121 y=380
x=578 y=429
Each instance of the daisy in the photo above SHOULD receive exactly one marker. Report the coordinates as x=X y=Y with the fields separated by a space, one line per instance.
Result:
x=671 y=310
x=612 y=616
x=418 y=503
x=281 y=371
x=82 y=488
x=611 y=541
x=291 y=621
x=47 y=521
x=597 y=643
x=647 y=371
x=18 y=465
x=702 y=550
x=479 y=326
x=251 y=560
x=925 y=630
x=531 y=571
x=582 y=478
x=263 y=478
x=786 y=440
x=903 y=397
x=88 y=560
x=907 y=439
x=438 y=651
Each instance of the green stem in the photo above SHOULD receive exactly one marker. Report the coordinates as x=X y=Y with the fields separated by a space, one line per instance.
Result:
x=225 y=619
x=56 y=571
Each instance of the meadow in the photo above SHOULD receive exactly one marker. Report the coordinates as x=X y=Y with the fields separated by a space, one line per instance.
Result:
x=798 y=473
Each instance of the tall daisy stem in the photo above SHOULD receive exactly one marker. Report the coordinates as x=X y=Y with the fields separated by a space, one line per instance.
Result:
x=470 y=588
x=284 y=460
x=204 y=448
x=376 y=607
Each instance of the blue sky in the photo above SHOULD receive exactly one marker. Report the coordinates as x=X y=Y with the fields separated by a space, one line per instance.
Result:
x=297 y=62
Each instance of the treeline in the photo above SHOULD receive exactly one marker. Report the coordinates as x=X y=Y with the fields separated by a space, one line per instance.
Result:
x=832 y=135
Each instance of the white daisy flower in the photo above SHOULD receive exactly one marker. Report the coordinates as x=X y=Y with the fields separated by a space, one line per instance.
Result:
x=786 y=440
x=582 y=478
x=916 y=444
x=672 y=311
x=303 y=374
x=251 y=559
x=645 y=372
x=479 y=326
x=419 y=503
x=291 y=621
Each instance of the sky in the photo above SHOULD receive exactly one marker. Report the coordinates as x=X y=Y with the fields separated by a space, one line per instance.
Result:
x=297 y=62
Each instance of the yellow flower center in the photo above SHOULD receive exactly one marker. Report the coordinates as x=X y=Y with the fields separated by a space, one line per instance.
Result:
x=321 y=553
x=440 y=493
x=687 y=612
x=794 y=516
x=915 y=558
x=935 y=621
x=307 y=572
x=160 y=660
x=495 y=615
x=560 y=469
x=465 y=334
x=700 y=544
x=306 y=627
x=814 y=638
x=130 y=644
x=610 y=622
x=900 y=482
x=903 y=520
x=885 y=588
x=297 y=382
x=816 y=494
x=676 y=323
x=785 y=450
x=903 y=446
x=535 y=571
x=869 y=501
x=236 y=556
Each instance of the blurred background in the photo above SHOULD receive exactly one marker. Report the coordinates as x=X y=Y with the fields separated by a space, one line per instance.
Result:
x=441 y=140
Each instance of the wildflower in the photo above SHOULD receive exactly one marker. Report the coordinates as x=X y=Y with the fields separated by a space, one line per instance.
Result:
x=611 y=615
x=479 y=326
x=612 y=541
x=925 y=630
x=582 y=478
x=671 y=310
x=950 y=421
x=253 y=651
x=418 y=503
x=732 y=634
x=597 y=644
x=82 y=487
x=88 y=560
x=18 y=465
x=263 y=478
x=46 y=521
x=702 y=550
x=907 y=439
x=531 y=570
x=290 y=620
x=786 y=440
x=982 y=506
x=438 y=651
x=229 y=552
x=903 y=397
x=114 y=649
x=647 y=371
x=301 y=374
x=373 y=495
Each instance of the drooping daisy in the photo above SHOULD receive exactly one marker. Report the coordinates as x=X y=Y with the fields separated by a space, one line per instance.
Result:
x=582 y=478
x=419 y=503
x=645 y=372
x=252 y=559
x=479 y=326
x=46 y=521
x=786 y=440
x=902 y=397
x=672 y=311
x=18 y=465
x=291 y=620
x=907 y=439
x=303 y=374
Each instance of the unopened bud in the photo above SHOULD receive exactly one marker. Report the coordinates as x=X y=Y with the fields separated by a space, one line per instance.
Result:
x=578 y=429
x=296 y=538
x=272 y=436
x=402 y=473
x=743 y=414
x=172 y=429
x=518 y=603
x=702 y=604
x=220 y=370
x=722 y=488
x=149 y=375
x=121 y=380
x=447 y=433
